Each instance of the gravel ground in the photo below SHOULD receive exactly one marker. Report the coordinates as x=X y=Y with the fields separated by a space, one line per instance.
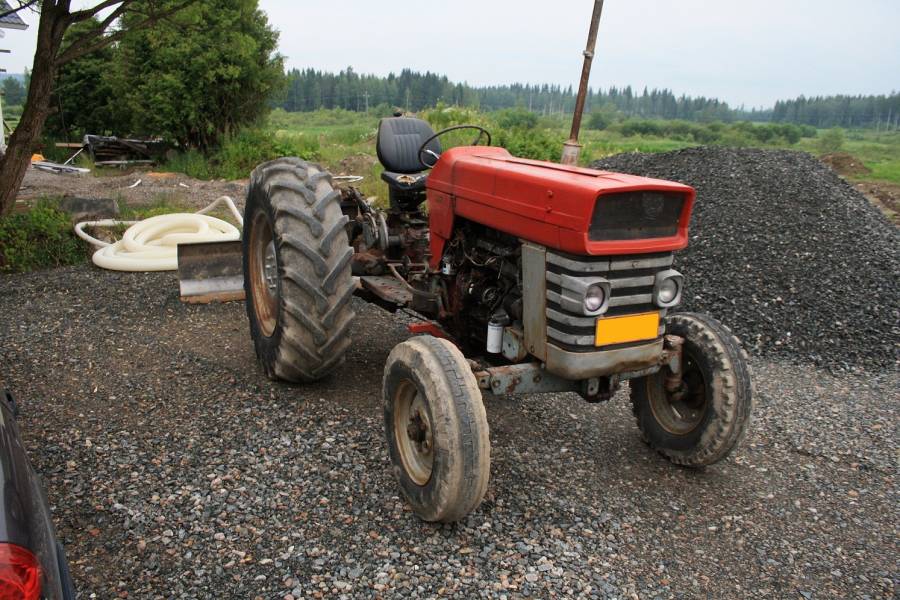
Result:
x=794 y=259
x=174 y=187
x=176 y=470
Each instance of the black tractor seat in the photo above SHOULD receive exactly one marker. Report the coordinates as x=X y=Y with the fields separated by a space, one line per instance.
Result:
x=398 y=143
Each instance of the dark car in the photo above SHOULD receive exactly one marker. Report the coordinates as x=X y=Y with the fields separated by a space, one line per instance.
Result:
x=32 y=561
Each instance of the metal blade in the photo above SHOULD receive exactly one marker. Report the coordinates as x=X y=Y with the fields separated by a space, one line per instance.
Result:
x=210 y=272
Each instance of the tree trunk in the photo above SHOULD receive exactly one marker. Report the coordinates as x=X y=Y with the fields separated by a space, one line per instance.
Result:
x=15 y=162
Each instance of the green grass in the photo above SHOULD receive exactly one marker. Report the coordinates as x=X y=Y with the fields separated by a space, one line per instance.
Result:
x=337 y=138
x=41 y=238
x=341 y=134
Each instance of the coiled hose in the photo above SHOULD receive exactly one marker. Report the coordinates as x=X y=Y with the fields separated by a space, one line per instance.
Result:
x=152 y=244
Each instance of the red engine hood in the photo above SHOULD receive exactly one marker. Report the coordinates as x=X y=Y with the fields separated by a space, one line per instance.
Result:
x=543 y=202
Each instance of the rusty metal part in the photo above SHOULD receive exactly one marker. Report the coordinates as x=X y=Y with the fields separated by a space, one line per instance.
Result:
x=388 y=289
x=674 y=345
x=513 y=347
x=526 y=378
x=682 y=407
x=413 y=431
x=600 y=389
x=210 y=272
x=412 y=290
x=571 y=149
x=584 y=365
x=261 y=249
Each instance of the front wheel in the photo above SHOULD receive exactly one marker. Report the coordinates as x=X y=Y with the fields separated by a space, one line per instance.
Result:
x=706 y=418
x=436 y=429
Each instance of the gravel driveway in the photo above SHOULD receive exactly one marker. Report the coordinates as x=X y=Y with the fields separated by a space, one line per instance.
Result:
x=176 y=470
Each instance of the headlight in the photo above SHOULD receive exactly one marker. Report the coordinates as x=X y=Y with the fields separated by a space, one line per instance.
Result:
x=594 y=298
x=581 y=295
x=667 y=288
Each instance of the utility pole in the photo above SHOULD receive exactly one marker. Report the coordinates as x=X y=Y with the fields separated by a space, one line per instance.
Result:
x=366 y=96
x=2 y=122
x=571 y=148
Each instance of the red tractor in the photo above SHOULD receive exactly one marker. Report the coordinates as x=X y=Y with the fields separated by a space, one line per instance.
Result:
x=529 y=276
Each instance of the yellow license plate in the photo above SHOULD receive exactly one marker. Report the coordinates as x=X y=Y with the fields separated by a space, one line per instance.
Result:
x=631 y=328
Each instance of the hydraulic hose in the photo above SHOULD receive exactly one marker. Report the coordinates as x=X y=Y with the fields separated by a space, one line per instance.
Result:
x=152 y=244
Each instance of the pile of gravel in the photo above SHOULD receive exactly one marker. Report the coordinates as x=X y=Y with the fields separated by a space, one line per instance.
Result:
x=786 y=253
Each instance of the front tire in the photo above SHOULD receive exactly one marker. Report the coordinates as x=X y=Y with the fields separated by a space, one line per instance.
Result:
x=436 y=429
x=704 y=421
x=297 y=275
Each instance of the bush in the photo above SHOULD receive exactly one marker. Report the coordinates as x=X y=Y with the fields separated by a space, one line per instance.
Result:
x=516 y=118
x=599 y=120
x=41 y=238
x=529 y=143
x=241 y=153
x=831 y=141
x=634 y=127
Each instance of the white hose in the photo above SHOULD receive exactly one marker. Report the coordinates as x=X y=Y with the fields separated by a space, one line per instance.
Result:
x=152 y=244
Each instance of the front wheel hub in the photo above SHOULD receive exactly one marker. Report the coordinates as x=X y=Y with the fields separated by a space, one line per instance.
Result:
x=414 y=434
x=682 y=407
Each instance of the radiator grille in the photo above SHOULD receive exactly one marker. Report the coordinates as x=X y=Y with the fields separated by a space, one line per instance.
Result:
x=631 y=278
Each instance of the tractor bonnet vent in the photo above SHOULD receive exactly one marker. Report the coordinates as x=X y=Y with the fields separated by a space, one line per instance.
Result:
x=636 y=216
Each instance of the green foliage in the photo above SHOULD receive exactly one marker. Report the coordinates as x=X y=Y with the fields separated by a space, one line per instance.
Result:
x=13 y=91
x=196 y=78
x=85 y=95
x=832 y=140
x=443 y=116
x=192 y=79
x=41 y=238
x=742 y=133
x=516 y=118
x=599 y=120
x=239 y=154
x=536 y=144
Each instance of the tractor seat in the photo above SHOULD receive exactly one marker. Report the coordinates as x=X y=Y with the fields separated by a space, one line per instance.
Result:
x=398 y=143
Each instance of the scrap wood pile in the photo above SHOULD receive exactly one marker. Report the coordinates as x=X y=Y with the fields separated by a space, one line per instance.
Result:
x=795 y=260
x=106 y=150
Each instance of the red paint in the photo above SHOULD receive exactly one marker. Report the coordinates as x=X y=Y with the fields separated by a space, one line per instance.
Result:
x=20 y=573
x=427 y=328
x=542 y=202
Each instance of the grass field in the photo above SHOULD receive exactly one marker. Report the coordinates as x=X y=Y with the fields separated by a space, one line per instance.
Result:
x=344 y=142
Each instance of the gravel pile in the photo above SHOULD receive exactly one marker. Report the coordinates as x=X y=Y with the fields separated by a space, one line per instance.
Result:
x=787 y=254
x=176 y=470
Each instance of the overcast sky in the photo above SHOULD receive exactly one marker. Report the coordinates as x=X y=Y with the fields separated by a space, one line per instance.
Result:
x=746 y=52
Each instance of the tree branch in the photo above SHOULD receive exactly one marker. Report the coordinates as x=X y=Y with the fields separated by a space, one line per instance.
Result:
x=95 y=40
x=22 y=6
x=88 y=13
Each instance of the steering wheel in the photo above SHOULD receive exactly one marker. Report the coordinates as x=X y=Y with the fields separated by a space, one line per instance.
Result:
x=424 y=151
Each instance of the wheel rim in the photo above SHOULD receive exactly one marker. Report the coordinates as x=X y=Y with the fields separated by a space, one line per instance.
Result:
x=682 y=411
x=264 y=274
x=413 y=432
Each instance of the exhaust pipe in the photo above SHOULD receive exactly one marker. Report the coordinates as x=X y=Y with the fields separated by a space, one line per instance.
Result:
x=571 y=148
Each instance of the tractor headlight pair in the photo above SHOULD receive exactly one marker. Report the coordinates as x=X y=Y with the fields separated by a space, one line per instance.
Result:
x=667 y=288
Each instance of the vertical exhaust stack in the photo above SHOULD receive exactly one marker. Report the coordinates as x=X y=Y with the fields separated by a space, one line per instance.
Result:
x=571 y=148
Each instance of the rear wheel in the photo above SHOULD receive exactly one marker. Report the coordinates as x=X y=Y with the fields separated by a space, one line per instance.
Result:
x=436 y=428
x=296 y=270
x=707 y=417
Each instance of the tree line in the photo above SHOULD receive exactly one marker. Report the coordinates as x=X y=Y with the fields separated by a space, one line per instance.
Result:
x=310 y=89
x=878 y=112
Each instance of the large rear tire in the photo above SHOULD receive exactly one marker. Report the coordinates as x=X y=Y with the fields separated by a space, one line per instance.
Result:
x=297 y=271
x=707 y=418
x=437 y=430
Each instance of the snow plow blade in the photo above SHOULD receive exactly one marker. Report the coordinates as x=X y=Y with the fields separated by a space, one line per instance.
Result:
x=210 y=272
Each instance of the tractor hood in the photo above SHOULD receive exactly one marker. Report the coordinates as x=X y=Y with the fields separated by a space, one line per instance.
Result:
x=559 y=206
